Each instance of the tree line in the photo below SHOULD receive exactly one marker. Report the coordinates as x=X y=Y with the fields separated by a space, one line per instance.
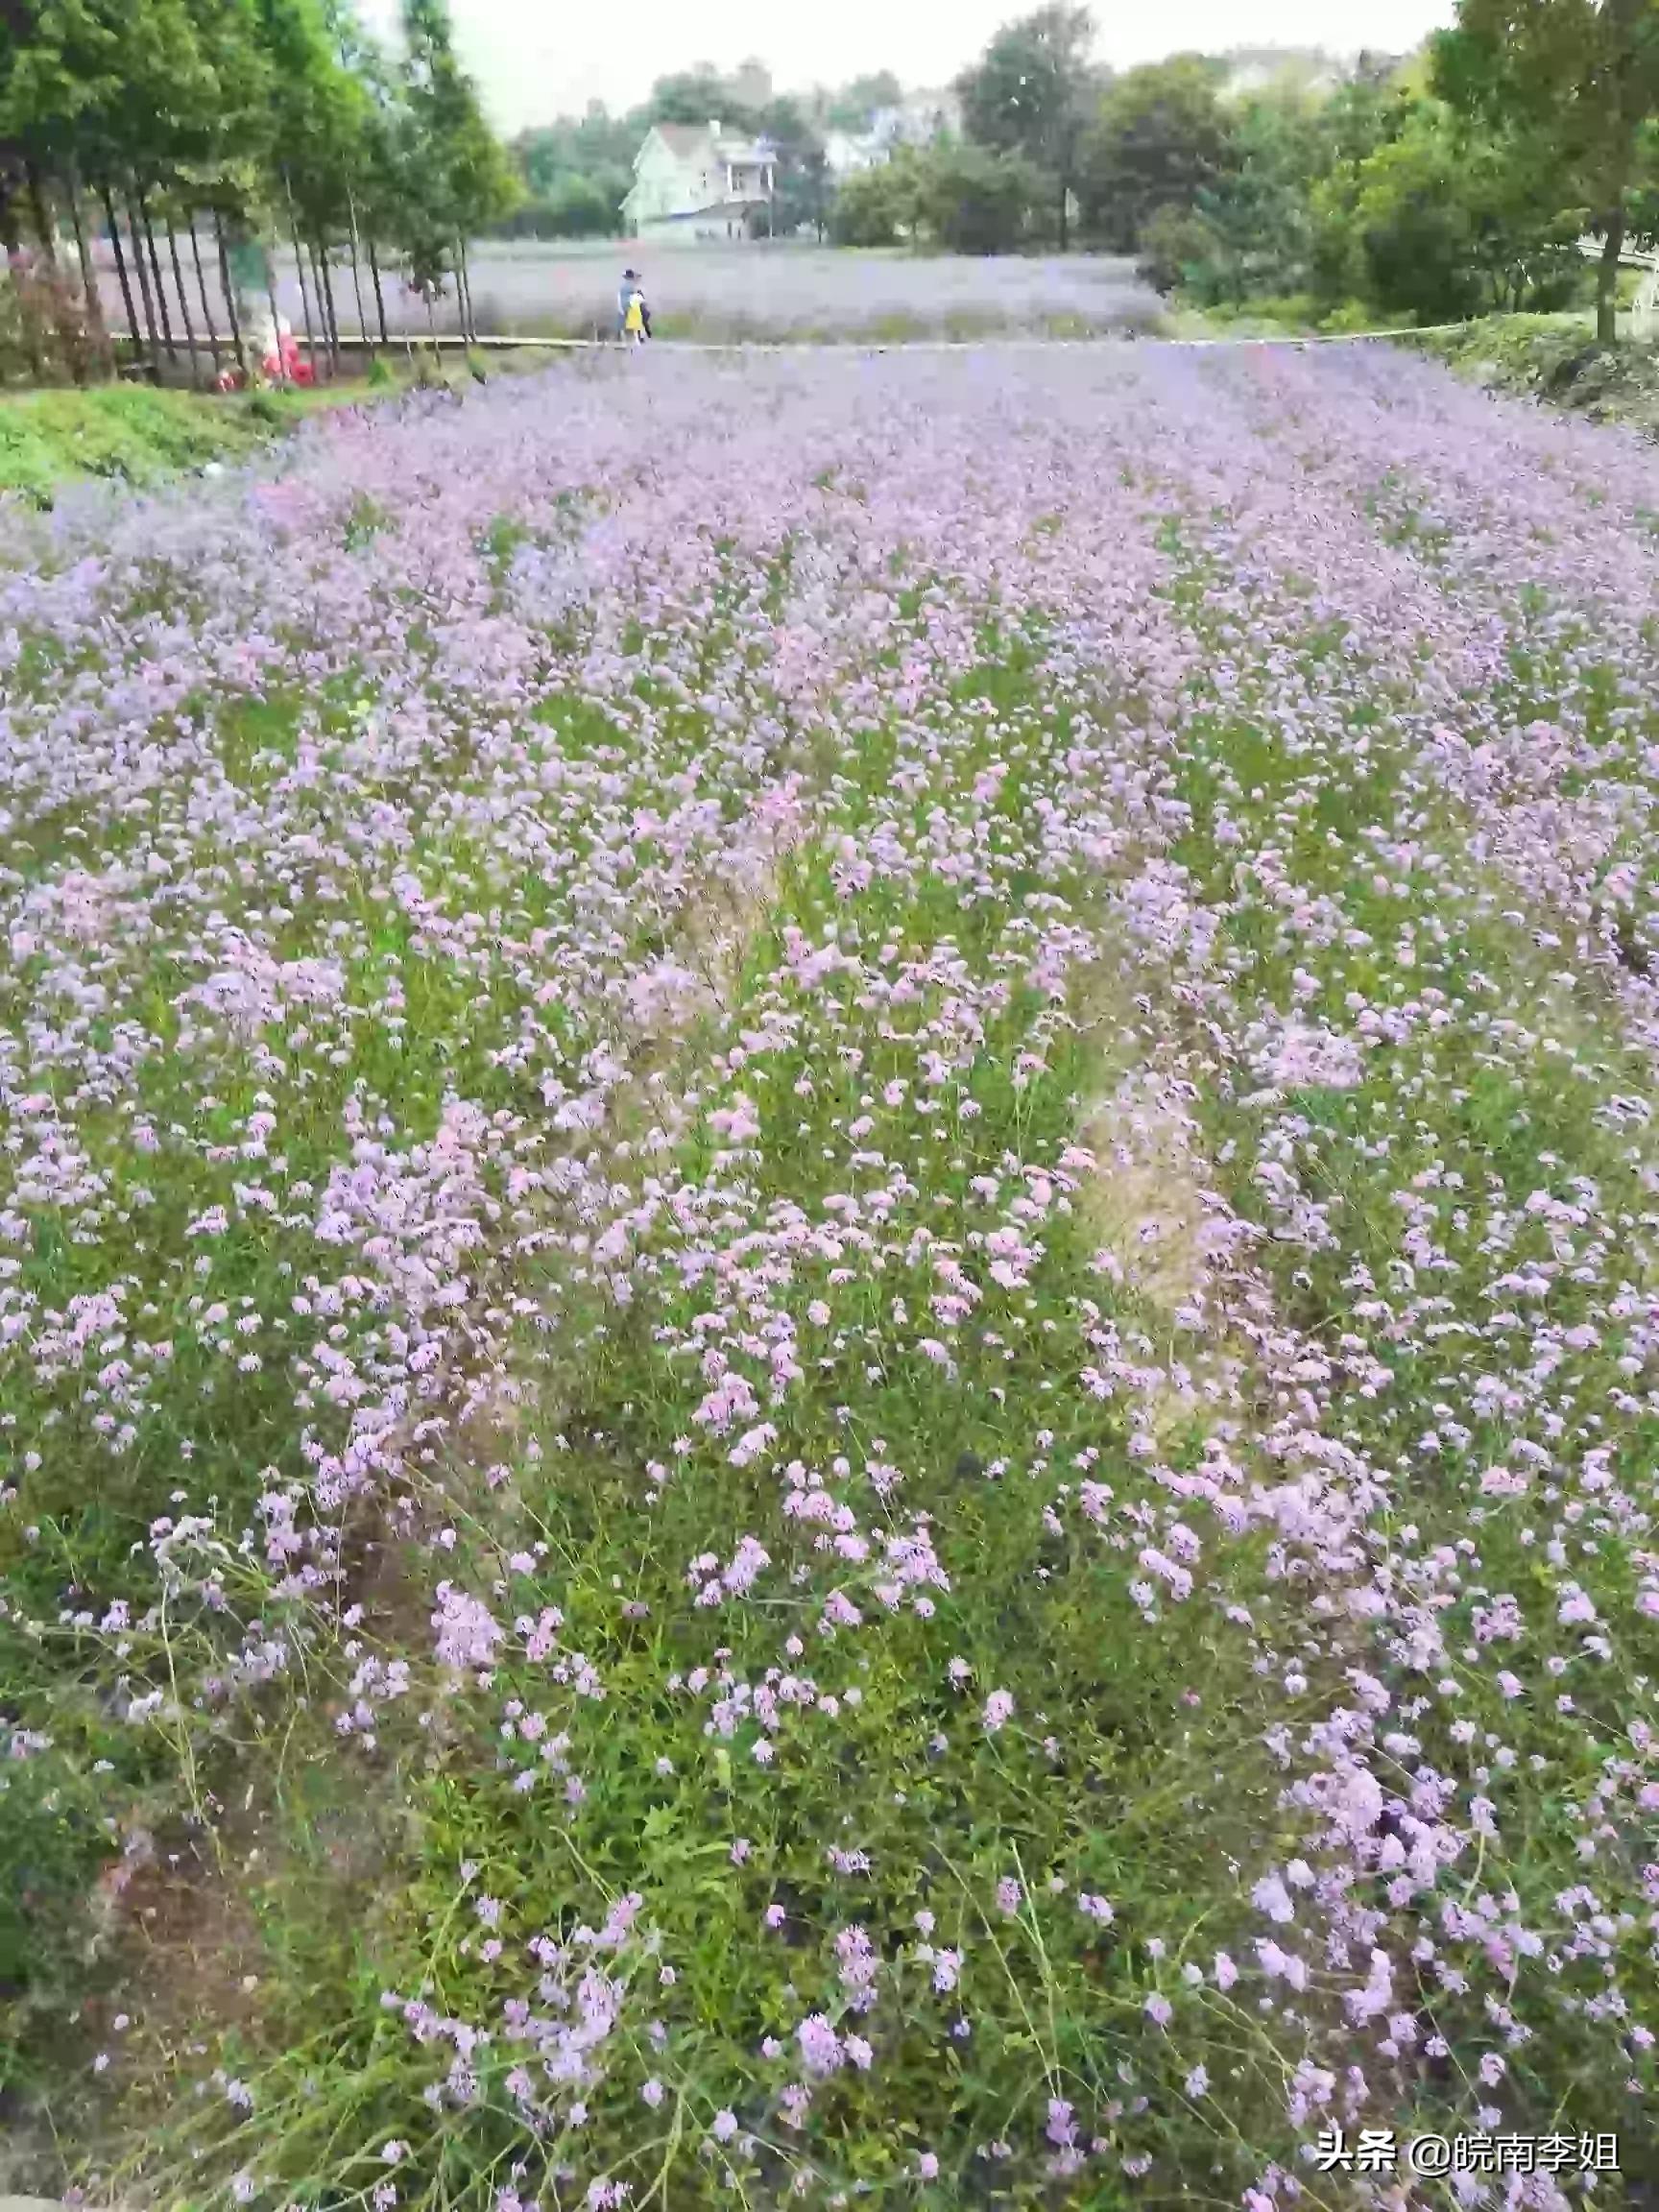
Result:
x=1459 y=179
x=197 y=135
x=1456 y=179
x=575 y=172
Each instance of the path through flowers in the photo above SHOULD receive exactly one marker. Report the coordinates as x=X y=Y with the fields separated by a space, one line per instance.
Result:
x=829 y=1336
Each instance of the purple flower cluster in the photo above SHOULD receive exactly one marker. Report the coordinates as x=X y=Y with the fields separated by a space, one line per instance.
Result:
x=876 y=1138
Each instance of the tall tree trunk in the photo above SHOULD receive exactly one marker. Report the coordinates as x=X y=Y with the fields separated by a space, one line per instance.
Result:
x=275 y=318
x=95 y=322
x=1064 y=195
x=379 y=298
x=464 y=277
x=356 y=271
x=362 y=311
x=202 y=294
x=227 y=287
x=322 y=311
x=144 y=292
x=108 y=200
x=328 y=314
x=13 y=249
x=184 y=299
x=40 y=215
x=299 y=272
x=1607 y=275
x=155 y=277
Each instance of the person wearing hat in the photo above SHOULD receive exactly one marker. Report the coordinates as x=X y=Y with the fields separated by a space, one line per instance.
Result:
x=630 y=291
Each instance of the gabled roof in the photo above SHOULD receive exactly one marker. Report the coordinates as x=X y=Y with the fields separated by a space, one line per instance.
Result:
x=682 y=138
x=686 y=141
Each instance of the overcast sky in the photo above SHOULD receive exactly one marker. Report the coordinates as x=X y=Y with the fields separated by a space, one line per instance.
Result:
x=536 y=58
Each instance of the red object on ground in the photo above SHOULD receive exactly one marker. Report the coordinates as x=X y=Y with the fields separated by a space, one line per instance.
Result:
x=290 y=367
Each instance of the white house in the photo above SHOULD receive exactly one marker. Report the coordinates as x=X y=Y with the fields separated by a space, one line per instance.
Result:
x=691 y=180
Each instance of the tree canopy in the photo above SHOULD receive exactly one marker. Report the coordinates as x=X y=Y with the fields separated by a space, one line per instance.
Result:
x=1583 y=77
x=276 y=120
x=1030 y=93
x=1159 y=135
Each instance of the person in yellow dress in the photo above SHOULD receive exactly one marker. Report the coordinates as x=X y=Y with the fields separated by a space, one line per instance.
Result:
x=634 y=319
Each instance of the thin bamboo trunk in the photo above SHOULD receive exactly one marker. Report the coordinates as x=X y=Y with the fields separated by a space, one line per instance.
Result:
x=182 y=296
x=202 y=294
x=322 y=311
x=356 y=271
x=275 y=318
x=27 y=327
x=463 y=272
x=329 y=308
x=88 y=278
x=39 y=215
x=156 y=275
x=1607 y=277
x=380 y=301
x=144 y=291
x=238 y=343
x=299 y=272
x=108 y=200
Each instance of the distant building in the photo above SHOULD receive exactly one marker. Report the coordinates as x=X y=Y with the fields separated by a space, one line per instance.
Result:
x=752 y=85
x=848 y=151
x=917 y=120
x=1289 y=68
x=695 y=181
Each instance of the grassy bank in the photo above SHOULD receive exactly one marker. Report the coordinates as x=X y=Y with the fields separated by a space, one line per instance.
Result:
x=137 y=435
x=1555 y=359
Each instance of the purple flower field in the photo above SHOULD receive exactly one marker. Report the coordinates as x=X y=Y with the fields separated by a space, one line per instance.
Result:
x=830 y=1297
x=716 y=293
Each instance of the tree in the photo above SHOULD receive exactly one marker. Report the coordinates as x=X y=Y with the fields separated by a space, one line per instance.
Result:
x=1254 y=222
x=1029 y=94
x=1582 y=77
x=855 y=104
x=700 y=95
x=1159 y=138
x=799 y=168
x=122 y=93
x=456 y=179
x=1443 y=218
x=800 y=191
x=880 y=206
x=976 y=202
x=576 y=208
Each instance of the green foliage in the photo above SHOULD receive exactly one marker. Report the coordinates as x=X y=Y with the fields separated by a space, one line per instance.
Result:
x=976 y=202
x=1582 y=79
x=882 y=205
x=1029 y=93
x=576 y=208
x=1380 y=197
x=278 y=118
x=700 y=95
x=456 y=177
x=575 y=173
x=1449 y=220
x=1158 y=137
x=851 y=108
x=129 y=432
x=960 y=197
